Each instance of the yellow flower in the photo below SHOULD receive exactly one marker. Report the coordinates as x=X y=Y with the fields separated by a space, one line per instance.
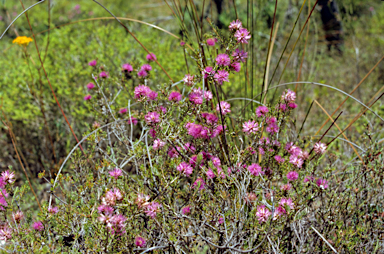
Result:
x=22 y=40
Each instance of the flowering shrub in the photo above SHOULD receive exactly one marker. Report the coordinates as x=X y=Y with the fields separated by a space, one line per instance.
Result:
x=177 y=170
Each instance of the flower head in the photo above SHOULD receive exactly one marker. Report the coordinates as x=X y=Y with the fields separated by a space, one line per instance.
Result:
x=239 y=55
x=53 y=210
x=151 y=57
x=188 y=80
x=235 y=66
x=242 y=35
x=208 y=71
x=262 y=213
x=292 y=176
x=157 y=144
x=287 y=202
x=133 y=121
x=196 y=98
x=221 y=76
x=319 y=148
x=211 y=42
x=174 y=96
x=250 y=127
x=127 y=67
x=8 y=176
x=38 y=226
x=279 y=159
x=223 y=60
x=123 y=110
x=286 y=187
x=289 y=96
x=186 y=210
x=142 y=73
x=116 y=173
x=235 y=25
x=322 y=183
x=103 y=74
x=146 y=67
x=152 y=118
x=87 y=97
x=261 y=111
x=90 y=86
x=255 y=169
x=18 y=216
x=92 y=63
x=22 y=40
x=199 y=182
x=185 y=168
x=224 y=106
x=142 y=200
x=152 y=209
x=5 y=233
x=140 y=242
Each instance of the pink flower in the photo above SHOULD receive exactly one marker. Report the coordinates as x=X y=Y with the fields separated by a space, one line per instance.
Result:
x=322 y=183
x=5 y=233
x=158 y=144
x=142 y=91
x=292 y=176
x=116 y=173
x=208 y=71
x=250 y=127
x=309 y=179
x=90 y=86
x=118 y=194
x=211 y=119
x=279 y=159
x=211 y=42
x=140 y=242
x=235 y=66
x=188 y=80
x=292 y=105
x=103 y=74
x=221 y=76
x=18 y=216
x=210 y=174
x=152 y=96
x=127 y=67
x=286 y=187
x=38 y=226
x=142 y=73
x=151 y=57
x=216 y=161
x=288 y=202
x=146 y=67
x=8 y=176
x=208 y=95
x=255 y=169
x=196 y=98
x=174 y=96
x=319 y=148
x=87 y=97
x=152 y=209
x=283 y=107
x=242 y=35
x=272 y=128
x=261 y=111
x=223 y=60
x=152 y=118
x=172 y=153
x=123 y=110
x=224 y=106
x=279 y=212
x=221 y=220
x=105 y=209
x=92 y=63
x=53 y=210
x=262 y=213
x=199 y=182
x=117 y=225
x=186 y=210
x=133 y=121
x=235 y=25
x=182 y=43
x=239 y=56
x=185 y=168
x=142 y=200
x=152 y=133
x=288 y=96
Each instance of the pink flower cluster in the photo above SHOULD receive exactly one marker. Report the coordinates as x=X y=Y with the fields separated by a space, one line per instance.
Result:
x=144 y=92
x=116 y=173
x=197 y=96
x=198 y=131
x=144 y=70
x=112 y=196
x=115 y=223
